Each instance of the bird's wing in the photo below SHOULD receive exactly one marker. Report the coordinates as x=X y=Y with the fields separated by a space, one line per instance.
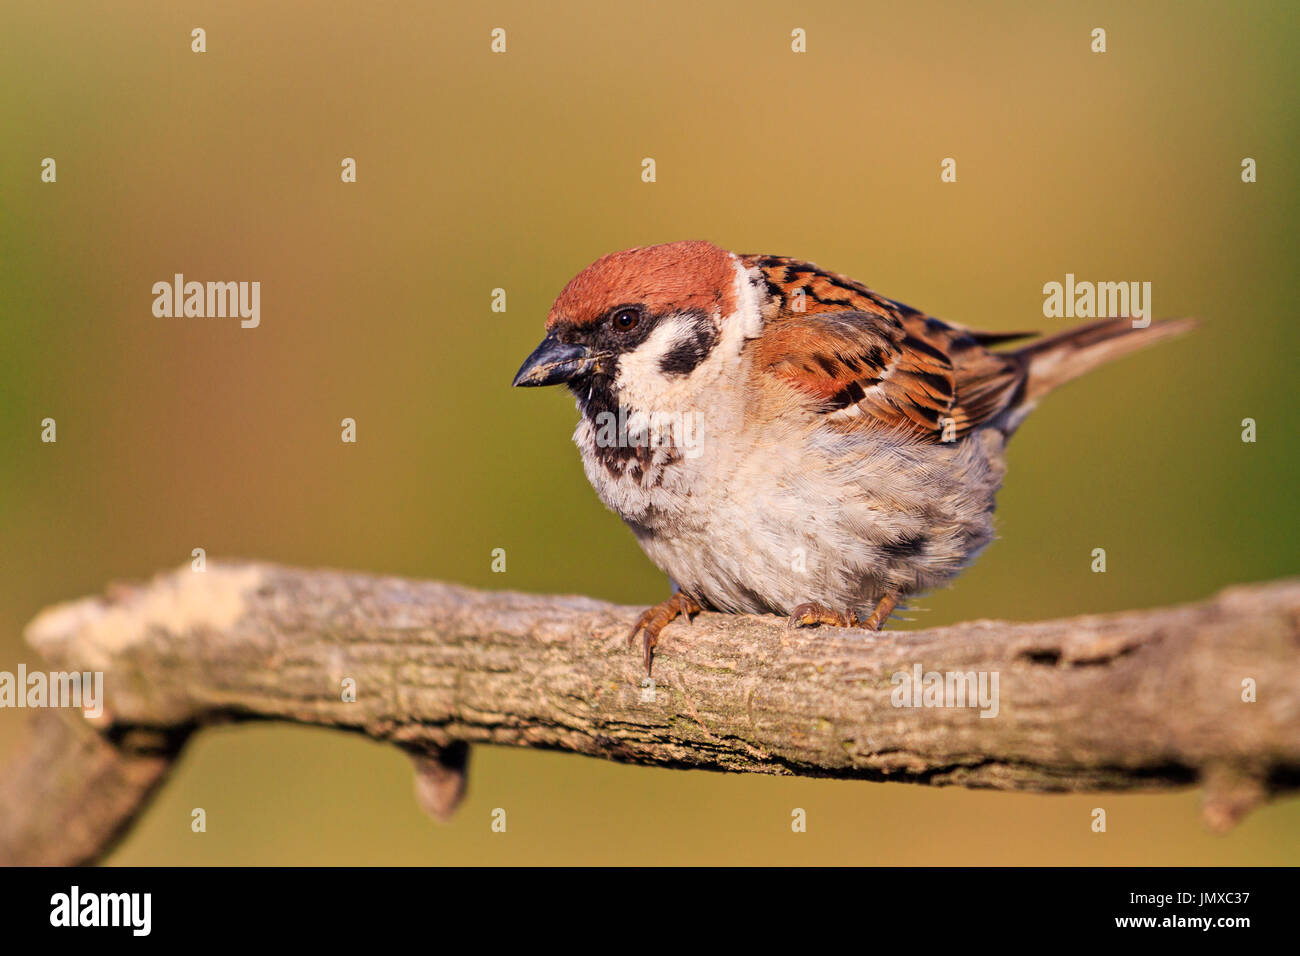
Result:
x=905 y=372
x=870 y=361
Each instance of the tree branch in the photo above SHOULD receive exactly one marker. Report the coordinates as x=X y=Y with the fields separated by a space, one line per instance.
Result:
x=1143 y=699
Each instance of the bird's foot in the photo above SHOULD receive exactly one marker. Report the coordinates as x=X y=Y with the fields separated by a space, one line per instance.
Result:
x=813 y=615
x=655 y=619
x=884 y=607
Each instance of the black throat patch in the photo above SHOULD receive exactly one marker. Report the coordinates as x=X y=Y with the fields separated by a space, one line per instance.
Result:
x=620 y=448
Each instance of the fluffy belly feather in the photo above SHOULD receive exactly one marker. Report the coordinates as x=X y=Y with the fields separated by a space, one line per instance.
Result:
x=734 y=527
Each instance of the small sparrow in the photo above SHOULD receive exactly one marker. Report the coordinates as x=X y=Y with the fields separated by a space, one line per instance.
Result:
x=781 y=439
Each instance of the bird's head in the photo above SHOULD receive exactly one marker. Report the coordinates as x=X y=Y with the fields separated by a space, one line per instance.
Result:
x=636 y=323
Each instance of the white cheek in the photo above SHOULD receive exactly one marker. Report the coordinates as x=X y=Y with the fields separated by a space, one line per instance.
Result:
x=641 y=382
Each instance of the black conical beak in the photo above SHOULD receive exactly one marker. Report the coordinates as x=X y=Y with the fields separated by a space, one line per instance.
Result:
x=554 y=362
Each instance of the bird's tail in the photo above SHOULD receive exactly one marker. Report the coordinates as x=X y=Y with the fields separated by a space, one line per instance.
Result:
x=1055 y=360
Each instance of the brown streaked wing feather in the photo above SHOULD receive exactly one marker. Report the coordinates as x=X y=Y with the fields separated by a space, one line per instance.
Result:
x=825 y=353
x=874 y=360
x=800 y=288
x=904 y=371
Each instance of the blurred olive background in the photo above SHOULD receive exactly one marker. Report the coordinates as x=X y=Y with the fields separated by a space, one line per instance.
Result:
x=479 y=171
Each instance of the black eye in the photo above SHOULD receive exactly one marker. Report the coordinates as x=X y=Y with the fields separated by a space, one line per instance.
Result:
x=626 y=319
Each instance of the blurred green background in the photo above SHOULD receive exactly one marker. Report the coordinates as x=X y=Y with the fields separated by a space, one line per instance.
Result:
x=479 y=171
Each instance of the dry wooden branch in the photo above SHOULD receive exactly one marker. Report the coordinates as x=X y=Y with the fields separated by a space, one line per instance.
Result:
x=1144 y=699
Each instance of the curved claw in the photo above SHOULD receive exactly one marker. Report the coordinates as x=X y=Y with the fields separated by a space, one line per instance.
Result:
x=813 y=614
x=643 y=623
x=655 y=619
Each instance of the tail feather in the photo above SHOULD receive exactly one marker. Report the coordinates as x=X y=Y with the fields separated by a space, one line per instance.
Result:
x=1055 y=360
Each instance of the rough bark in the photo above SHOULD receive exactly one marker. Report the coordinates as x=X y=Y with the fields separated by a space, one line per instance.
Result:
x=1143 y=699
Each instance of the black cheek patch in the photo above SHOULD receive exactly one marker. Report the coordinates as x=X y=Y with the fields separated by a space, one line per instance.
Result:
x=692 y=348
